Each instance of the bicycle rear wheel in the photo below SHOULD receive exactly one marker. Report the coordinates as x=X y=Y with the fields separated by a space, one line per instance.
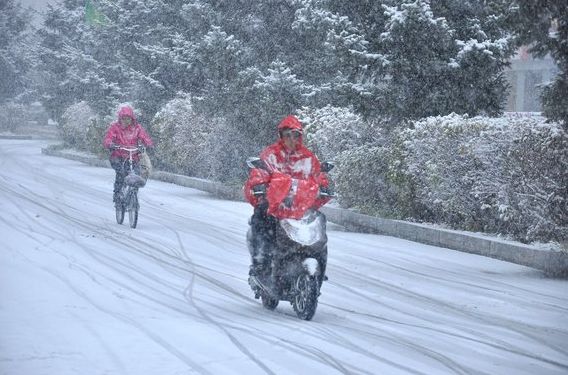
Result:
x=133 y=208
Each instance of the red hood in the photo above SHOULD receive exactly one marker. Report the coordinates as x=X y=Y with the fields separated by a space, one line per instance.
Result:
x=290 y=122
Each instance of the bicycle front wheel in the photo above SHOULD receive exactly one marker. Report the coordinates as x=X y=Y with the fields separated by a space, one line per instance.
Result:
x=120 y=207
x=133 y=208
x=119 y=214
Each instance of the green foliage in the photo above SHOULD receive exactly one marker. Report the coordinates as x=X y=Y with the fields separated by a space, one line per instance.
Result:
x=555 y=99
x=436 y=64
x=16 y=49
x=537 y=197
x=543 y=25
x=504 y=175
x=189 y=143
x=329 y=131
x=369 y=178
x=96 y=131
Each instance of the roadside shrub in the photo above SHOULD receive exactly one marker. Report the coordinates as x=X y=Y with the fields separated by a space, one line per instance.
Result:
x=96 y=132
x=502 y=175
x=74 y=125
x=506 y=175
x=182 y=135
x=12 y=116
x=330 y=131
x=534 y=205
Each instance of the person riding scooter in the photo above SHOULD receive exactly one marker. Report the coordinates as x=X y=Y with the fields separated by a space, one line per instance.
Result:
x=289 y=156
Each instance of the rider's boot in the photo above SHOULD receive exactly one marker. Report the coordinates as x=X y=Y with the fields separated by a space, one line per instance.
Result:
x=256 y=268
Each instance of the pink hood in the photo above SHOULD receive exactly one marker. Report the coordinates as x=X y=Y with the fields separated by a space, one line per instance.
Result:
x=127 y=111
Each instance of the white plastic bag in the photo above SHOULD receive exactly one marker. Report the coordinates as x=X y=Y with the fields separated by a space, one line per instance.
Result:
x=145 y=166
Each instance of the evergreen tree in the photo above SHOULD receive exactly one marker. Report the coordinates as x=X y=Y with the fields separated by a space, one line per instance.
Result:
x=72 y=58
x=478 y=84
x=543 y=25
x=442 y=60
x=15 y=47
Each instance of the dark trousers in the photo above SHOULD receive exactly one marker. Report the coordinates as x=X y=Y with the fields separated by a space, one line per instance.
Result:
x=121 y=167
x=263 y=228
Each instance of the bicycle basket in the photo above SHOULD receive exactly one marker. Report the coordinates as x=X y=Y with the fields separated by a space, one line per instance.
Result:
x=132 y=179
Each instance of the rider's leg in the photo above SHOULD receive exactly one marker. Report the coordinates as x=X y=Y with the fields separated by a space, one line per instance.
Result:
x=262 y=229
x=118 y=165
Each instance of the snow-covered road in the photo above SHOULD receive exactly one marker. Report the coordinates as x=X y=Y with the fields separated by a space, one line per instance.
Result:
x=80 y=294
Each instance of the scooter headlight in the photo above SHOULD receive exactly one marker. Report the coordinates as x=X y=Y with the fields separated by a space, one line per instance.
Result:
x=305 y=231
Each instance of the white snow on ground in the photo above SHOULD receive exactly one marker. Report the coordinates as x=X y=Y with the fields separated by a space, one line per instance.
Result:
x=80 y=294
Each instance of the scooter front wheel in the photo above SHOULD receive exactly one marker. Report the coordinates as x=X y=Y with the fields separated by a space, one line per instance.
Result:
x=120 y=214
x=305 y=301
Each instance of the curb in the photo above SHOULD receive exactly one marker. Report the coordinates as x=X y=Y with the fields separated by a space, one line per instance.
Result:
x=552 y=263
x=23 y=137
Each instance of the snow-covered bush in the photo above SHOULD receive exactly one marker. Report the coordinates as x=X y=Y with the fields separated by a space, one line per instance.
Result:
x=439 y=153
x=75 y=123
x=365 y=179
x=536 y=200
x=182 y=139
x=228 y=152
x=330 y=130
x=96 y=132
x=505 y=175
x=12 y=116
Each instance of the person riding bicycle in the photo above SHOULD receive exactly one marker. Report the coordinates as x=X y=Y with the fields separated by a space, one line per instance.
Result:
x=287 y=155
x=125 y=132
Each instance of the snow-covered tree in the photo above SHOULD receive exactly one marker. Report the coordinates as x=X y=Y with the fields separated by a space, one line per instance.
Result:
x=73 y=62
x=436 y=64
x=543 y=25
x=15 y=46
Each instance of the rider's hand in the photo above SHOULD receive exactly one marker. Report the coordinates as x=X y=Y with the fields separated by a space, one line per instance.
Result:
x=113 y=146
x=141 y=149
x=288 y=201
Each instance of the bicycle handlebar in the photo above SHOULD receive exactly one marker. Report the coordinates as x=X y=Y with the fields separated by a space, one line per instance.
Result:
x=127 y=149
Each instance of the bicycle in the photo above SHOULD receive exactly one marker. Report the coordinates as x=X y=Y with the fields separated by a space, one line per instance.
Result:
x=128 y=197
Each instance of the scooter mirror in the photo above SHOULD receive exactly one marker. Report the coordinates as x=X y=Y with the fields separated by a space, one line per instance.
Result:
x=327 y=166
x=254 y=162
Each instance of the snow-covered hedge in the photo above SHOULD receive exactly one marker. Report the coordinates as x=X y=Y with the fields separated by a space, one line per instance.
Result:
x=183 y=139
x=74 y=126
x=535 y=204
x=331 y=130
x=504 y=175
